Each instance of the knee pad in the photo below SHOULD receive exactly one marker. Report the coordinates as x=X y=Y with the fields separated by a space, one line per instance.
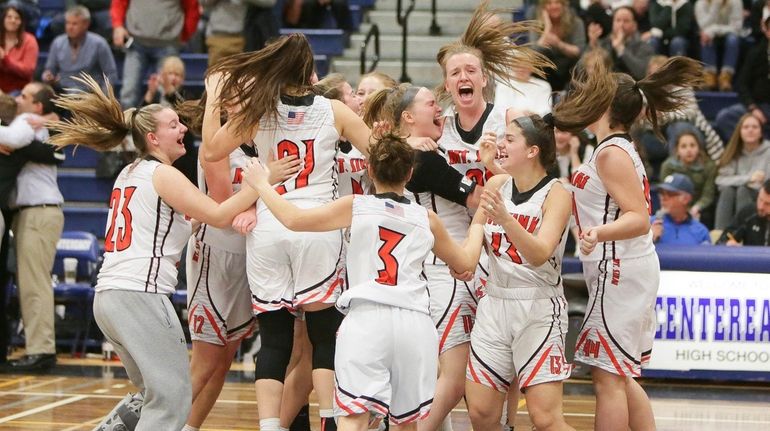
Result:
x=322 y=330
x=276 y=330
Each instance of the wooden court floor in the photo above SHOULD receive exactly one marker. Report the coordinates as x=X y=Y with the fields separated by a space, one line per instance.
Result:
x=77 y=393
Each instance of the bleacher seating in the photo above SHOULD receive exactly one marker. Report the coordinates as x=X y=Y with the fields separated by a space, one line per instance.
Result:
x=76 y=297
x=88 y=219
x=323 y=41
x=84 y=187
x=80 y=157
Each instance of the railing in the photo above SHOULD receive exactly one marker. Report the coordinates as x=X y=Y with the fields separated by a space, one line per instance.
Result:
x=403 y=20
x=435 y=29
x=374 y=32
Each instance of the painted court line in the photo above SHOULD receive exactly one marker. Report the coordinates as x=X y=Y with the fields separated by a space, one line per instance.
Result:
x=42 y=408
x=15 y=381
x=43 y=383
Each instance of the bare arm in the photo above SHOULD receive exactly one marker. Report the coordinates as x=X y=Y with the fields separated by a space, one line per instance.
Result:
x=618 y=175
x=176 y=190
x=459 y=258
x=217 y=173
x=352 y=127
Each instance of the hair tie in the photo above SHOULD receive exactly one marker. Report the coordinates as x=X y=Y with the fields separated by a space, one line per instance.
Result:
x=548 y=119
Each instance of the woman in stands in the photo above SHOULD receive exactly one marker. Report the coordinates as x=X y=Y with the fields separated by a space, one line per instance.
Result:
x=611 y=195
x=387 y=345
x=518 y=337
x=18 y=50
x=483 y=52
x=287 y=271
x=148 y=226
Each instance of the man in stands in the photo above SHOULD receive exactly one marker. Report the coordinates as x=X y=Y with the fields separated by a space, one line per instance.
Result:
x=149 y=30
x=79 y=50
x=750 y=226
x=674 y=224
x=629 y=53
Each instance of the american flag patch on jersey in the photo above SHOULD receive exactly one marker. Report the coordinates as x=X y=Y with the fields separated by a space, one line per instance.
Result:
x=296 y=117
x=394 y=209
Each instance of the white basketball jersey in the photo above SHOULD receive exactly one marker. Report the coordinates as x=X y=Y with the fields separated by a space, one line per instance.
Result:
x=351 y=171
x=390 y=239
x=225 y=239
x=508 y=269
x=145 y=236
x=305 y=129
x=592 y=206
x=464 y=157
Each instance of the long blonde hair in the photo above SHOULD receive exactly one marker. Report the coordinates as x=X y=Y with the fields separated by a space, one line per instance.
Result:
x=567 y=21
x=98 y=121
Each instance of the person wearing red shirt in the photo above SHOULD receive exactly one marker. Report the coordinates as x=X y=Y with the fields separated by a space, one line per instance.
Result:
x=149 y=30
x=18 y=51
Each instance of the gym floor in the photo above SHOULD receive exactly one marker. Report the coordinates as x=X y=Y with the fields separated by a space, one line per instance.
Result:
x=76 y=394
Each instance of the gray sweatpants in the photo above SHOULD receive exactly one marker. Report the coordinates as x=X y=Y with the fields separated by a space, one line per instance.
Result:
x=147 y=335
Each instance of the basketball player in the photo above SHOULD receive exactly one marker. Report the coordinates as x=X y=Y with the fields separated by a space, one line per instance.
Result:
x=147 y=229
x=287 y=271
x=611 y=204
x=481 y=53
x=521 y=322
x=219 y=299
x=387 y=345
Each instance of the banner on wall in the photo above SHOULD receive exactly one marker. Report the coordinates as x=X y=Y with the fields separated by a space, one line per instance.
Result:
x=712 y=321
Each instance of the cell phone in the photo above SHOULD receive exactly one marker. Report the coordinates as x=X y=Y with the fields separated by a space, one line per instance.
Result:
x=129 y=42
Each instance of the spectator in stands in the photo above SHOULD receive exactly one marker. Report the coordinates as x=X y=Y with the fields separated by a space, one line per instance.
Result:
x=36 y=228
x=720 y=23
x=759 y=12
x=672 y=25
x=629 y=53
x=370 y=83
x=77 y=51
x=690 y=118
x=224 y=31
x=149 y=30
x=673 y=224
x=31 y=12
x=165 y=88
x=101 y=23
x=562 y=41
x=742 y=169
x=526 y=93
x=751 y=225
x=312 y=13
x=753 y=85
x=690 y=160
x=571 y=152
x=642 y=10
x=261 y=24
x=18 y=51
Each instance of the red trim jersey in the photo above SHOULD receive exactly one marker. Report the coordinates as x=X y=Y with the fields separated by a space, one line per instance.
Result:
x=390 y=238
x=508 y=269
x=144 y=237
x=592 y=206
x=464 y=157
x=305 y=128
x=225 y=239
x=351 y=171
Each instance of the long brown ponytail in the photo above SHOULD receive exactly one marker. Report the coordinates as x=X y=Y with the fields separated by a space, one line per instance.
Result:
x=595 y=90
x=254 y=80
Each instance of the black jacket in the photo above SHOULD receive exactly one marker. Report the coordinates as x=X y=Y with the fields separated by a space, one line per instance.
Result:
x=748 y=228
x=11 y=165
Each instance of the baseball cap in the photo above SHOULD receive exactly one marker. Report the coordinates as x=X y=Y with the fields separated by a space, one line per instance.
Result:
x=677 y=183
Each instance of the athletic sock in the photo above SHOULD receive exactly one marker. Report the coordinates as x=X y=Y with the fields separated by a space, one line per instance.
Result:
x=190 y=428
x=270 y=424
x=327 y=420
x=302 y=420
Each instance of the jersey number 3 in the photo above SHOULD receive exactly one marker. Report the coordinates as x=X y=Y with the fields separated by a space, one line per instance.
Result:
x=390 y=240
x=118 y=238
